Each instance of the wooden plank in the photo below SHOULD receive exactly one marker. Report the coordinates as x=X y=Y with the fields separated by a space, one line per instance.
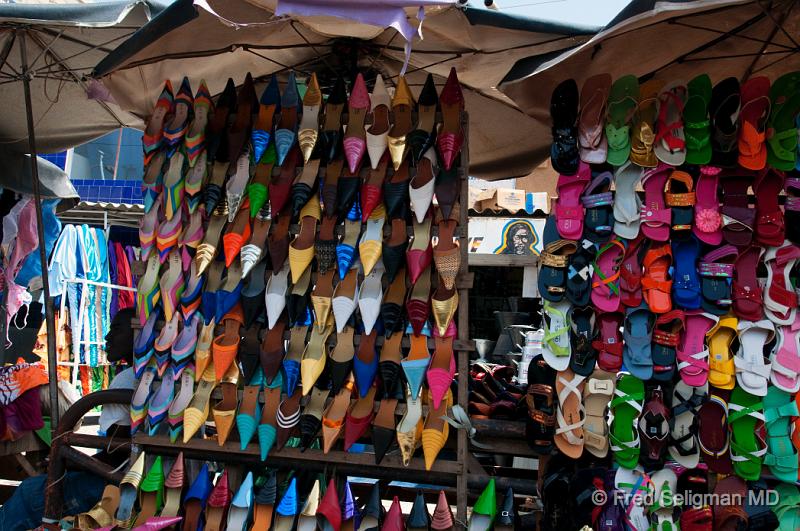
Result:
x=502 y=260
x=462 y=446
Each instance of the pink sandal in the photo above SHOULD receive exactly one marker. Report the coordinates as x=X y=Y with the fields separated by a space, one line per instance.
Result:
x=569 y=208
x=656 y=217
x=785 y=359
x=780 y=299
x=605 y=279
x=707 y=219
x=692 y=352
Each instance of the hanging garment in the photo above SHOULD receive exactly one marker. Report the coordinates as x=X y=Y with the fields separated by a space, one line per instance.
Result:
x=27 y=240
x=16 y=379
x=124 y=278
x=11 y=224
x=113 y=300
x=32 y=267
x=63 y=263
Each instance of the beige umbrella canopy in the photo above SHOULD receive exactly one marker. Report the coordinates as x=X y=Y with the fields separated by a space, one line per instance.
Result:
x=669 y=40
x=215 y=39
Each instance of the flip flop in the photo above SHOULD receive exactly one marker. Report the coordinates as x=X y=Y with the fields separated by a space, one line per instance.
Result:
x=637 y=350
x=782 y=130
x=686 y=282
x=622 y=103
x=569 y=210
x=654 y=428
x=720 y=339
x=663 y=510
x=666 y=337
x=630 y=273
x=770 y=225
x=555 y=344
x=593 y=143
x=570 y=415
x=609 y=341
x=626 y=406
x=597 y=394
x=627 y=203
x=582 y=333
x=788 y=508
x=643 y=135
x=554 y=259
x=753 y=123
x=579 y=274
x=752 y=372
x=605 y=278
x=738 y=219
x=715 y=279
x=707 y=224
x=781 y=457
x=696 y=121
x=598 y=201
x=686 y=404
x=785 y=359
x=724 y=111
x=780 y=299
x=656 y=217
x=656 y=282
x=729 y=513
x=670 y=144
x=747 y=295
x=564 y=153
x=633 y=485
x=712 y=432
x=748 y=444
x=692 y=353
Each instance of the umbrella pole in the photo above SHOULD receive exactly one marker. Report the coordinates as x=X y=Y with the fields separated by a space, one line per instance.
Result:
x=52 y=362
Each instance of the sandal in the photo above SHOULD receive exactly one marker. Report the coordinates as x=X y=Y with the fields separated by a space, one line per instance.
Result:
x=579 y=275
x=724 y=110
x=686 y=284
x=541 y=401
x=780 y=299
x=630 y=273
x=656 y=284
x=684 y=423
x=692 y=353
x=609 y=341
x=569 y=211
x=554 y=260
x=582 y=333
x=598 y=201
x=785 y=359
x=712 y=432
x=697 y=125
x=729 y=514
x=715 y=272
x=656 y=217
x=738 y=219
x=605 y=278
x=627 y=203
x=670 y=143
x=666 y=337
x=788 y=508
x=594 y=95
x=570 y=415
x=781 y=457
x=626 y=406
x=748 y=444
x=752 y=373
x=564 y=154
x=746 y=290
x=782 y=130
x=654 y=428
x=753 y=123
x=597 y=394
x=791 y=209
x=770 y=226
x=637 y=348
x=556 y=348
x=663 y=510
x=680 y=198
x=622 y=103
x=720 y=339
x=643 y=135
x=707 y=218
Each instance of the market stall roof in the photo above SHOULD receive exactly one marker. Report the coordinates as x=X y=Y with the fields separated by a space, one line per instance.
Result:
x=669 y=40
x=63 y=43
x=249 y=36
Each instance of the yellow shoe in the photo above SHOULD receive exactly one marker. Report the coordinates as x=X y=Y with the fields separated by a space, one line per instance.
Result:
x=301 y=250
x=314 y=357
x=402 y=105
x=436 y=431
x=225 y=410
x=444 y=304
x=370 y=247
x=202 y=354
x=207 y=251
x=309 y=123
x=196 y=414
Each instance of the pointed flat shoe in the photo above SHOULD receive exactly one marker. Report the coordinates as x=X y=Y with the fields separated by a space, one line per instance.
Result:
x=395 y=193
x=424 y=136
x=450 y=138
x=179 y=405
x=420 y=252
x=309 y=123
x=393 y=521
x=415 y=365
x=442 y=519
x=346 y=250
x=226 y=346
x=218 y=503
x=435 y=431
x=325 y=245
x=271 y=350
x=333 y=418
x=365 y=363
x=314 y=357
x=311 y=419
x=402 y=106
x=286 y=133
x=359 y=418
x=444 y=304
x=422 y=186
x=345 y=298
x=287 y=419
x=372 y=189
x=418 y=518
x=269 y=104
x=280 y=186
x=152 y=139
x=370 y=296
x=409 y=430
x=418 y=305
x=383 y=429
x=278 y=241
x=301 y=250
x=275 y=296
x=286 y=511
x=224 y=411
x=329 y=512
x=378 y=132
x=332 y=126
x=354 y=138
x=341 y=362
x=370 y=246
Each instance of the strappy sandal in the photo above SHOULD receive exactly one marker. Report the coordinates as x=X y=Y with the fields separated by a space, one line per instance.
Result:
x=654 y=427
x=782 y=138
x=579 y=274
x=680 y=198
x=622 y=102
x=643 y=134
x=753 y=116
x=609 y=341
x=781 y=456
x=555 y=344
x=656 y=284
x=626 y=406
x=780 y=299
x=666 y=336
x=598 y=201
x=554 y=260
x=723 y=110
x=541 y=401
x=788 y=509
x=770 y=226
x=570 y=415
x=684 y=423
x=748 y=301
x=637 y=349
x=752 y=372
x=583 y=331
x=738 y=219
x=597 y=394
x=697 y=124
x=670 y=143
x=569 y=211
x=785 y=359
x=748 y=445
x=630 y=273
x=605 y=277
x=716 y=273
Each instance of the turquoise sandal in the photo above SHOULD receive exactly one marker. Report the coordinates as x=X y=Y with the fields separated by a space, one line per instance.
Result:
x=781 y=456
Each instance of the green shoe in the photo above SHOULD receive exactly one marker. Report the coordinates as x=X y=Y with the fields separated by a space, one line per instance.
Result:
x=696 y=126
x=151 y=491
x=485 y=509
x=622 y=102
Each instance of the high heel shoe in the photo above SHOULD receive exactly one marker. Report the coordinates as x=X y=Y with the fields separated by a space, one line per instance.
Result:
x=451 y=137
x=420 y=253
x=287 y=419
x=195 y=415
x=286 y=511
x=329 y=513
x=394 y=517
x=218 y=503
x=225 y=410
x=154 y=131
x=444 y=304
x=269 y=104
x=341 y=361
x=372 y=514
x=441 y=370
x=359 y=418
x=311 y=420
x=153 y=181
x=418 y=304
x=301 y=250
x=422 y=186
x=409 y=430
x=485 y=509
x=174 y=484
x=365 y=363
x=286 y=133
x=418 y=518
x=194 y=504
x=346 y=249
x=333 y=418
x=332 y=127
x=265 y=502
x=175 y=130
x=344 y=299
x=402 y=106
x=354 y=136
x=272 y=350
x=160 y=402
x=442 y=515
x=141 y=397
x=370 y=296
x=174 y=186
x=249 y=410
x=424 y=136
x=128 y=489
x=239 y=512
x=309 y=124
x=184 y=346
x=267 y=427
x=180 y=403
x=383 y=429
x=314 y=357
x=378 y=132
x=415 y=365
x=195 y=139
x=307 y=520
x=151 y=492
x=436 y=430
x=143 y=344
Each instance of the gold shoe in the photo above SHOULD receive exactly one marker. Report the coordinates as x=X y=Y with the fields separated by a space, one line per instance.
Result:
x=207 y=251
x=333 y=418
x=447 y=253
x=444 y=304
x=322 y=298
x=195 y=415
x=409 y=431
x=301 y=250
x=202 y=353
x=314 y=357
x=402 y=105
x=370 y=247
x=309 y=124
x=225 y=410
x=436 y=430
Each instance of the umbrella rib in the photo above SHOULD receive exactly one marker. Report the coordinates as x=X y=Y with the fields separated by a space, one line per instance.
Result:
x=283 y=66
x=736 y=56
x=44 y=50
x=313 y=48
x=9 y=44
x=779 y=23
x=75 y=40
x=745 y=37
x=92 y=47
x=775 y=28
x=771 y=63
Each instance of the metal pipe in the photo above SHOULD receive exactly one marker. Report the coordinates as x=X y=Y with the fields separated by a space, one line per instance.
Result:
x=49 y=314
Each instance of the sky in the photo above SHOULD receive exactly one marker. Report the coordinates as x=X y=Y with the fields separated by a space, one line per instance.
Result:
x=582 y=12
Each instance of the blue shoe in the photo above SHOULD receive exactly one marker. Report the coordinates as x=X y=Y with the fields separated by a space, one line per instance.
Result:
x=686 y=281
x=355 y=211
x=291 y=371
x=285 y=137
x=160 y=401
x=415 y=373
x=200 y=489
x=288 y=505
x=345 y=256
x=365 y=363
x=247 y=423
x=239 y=510
x=226 y=300
x=262 y=132
x=143 y=344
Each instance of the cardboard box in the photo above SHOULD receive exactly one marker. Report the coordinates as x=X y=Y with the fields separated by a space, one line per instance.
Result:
x=510 y=200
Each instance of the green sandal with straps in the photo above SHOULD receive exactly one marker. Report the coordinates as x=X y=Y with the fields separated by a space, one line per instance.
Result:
x=626 y=407
x=782 y=142
x=555 y=344
x=745 y=416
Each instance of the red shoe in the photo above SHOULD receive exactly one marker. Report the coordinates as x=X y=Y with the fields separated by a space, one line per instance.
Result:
x=394 y=518
x=372 y=188
x=218 y=503
x=359 y=418
x=280 y=187
x=329 y=507
x=420 y=253
x=451 y=137
x=355 y=143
